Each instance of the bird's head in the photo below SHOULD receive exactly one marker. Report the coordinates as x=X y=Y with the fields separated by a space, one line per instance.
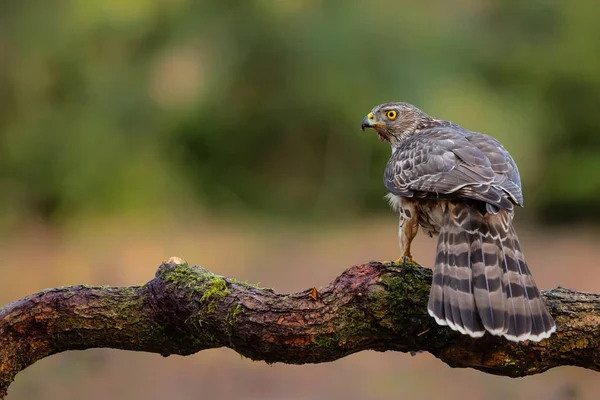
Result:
x=394 y=122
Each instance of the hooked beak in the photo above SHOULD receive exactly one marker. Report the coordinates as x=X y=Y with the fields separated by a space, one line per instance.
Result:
x=365 y=123
x=369 y=122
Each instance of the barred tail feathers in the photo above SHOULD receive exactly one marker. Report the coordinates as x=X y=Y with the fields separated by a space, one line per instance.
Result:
x=481 y=281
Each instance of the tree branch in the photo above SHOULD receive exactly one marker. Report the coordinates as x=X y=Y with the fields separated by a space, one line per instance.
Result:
x=373 y=306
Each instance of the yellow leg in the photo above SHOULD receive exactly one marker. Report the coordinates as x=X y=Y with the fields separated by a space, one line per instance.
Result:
x=407 y=230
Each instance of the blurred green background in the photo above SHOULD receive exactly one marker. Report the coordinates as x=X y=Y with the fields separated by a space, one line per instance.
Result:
x=228 y=133
x=133 y=105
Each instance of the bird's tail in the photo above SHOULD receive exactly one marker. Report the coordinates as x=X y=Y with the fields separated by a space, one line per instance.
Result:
x=481 y=281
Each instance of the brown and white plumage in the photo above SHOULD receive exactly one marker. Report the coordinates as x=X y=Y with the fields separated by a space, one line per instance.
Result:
x=462 y=186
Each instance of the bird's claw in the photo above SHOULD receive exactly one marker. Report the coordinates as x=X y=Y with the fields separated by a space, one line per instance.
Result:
x=404 y=260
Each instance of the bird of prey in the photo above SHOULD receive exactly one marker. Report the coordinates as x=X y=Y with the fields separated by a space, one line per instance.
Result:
x=462 y=186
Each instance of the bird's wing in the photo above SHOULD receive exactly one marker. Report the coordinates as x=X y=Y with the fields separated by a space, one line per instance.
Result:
x=451 y=162
x=501 y=163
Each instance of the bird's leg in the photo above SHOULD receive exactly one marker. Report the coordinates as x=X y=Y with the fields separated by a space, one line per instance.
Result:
x=407 y=230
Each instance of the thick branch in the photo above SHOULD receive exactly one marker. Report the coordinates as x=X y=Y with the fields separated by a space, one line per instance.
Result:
x=187 y=309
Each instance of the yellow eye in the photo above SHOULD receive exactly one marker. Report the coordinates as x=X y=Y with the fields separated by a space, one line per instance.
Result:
x=370 y=116
x=391 y=115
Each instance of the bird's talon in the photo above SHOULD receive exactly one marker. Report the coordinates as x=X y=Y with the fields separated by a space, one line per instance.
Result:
x=404 y=260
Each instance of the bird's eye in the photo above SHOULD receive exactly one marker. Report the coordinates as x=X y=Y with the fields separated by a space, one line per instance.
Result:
x=391 y=115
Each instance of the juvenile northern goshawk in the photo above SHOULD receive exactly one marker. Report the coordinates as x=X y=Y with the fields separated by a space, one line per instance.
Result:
x=462 y=186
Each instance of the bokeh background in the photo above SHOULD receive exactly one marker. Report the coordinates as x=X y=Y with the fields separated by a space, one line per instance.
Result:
x=228 y=133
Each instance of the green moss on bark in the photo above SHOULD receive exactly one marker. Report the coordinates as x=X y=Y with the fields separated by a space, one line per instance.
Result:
x=210 y=286
x=234 y=314
x=213 y=288
x=246 y=284
x=403 y=284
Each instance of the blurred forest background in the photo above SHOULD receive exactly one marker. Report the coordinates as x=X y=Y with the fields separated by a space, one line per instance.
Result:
x=228 y=133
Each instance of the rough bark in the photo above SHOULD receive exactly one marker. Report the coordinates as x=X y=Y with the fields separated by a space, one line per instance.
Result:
x=373 y=306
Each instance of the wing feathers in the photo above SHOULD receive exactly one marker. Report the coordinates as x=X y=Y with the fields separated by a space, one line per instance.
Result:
x=452 y=162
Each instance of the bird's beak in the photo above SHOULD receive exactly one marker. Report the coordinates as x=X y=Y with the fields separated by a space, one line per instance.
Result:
x=369 y=122
x=366 y=123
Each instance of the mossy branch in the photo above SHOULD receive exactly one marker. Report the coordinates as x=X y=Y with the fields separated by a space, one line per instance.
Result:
x=373 y=306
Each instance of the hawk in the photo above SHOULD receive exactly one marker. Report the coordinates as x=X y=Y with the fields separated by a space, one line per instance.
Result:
x=462 y=186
